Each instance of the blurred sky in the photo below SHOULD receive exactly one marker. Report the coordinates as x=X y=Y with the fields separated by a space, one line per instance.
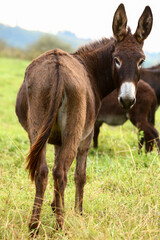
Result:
x=86 y=18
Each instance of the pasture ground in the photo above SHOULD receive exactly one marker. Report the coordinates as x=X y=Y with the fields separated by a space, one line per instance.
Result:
x=121 y=198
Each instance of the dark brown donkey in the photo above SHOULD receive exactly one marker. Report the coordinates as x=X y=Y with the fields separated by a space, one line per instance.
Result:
x=59 y=100
x=142 y=115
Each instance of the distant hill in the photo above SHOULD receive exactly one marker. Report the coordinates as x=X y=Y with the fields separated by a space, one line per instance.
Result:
x=72 y=39
x=20 y=38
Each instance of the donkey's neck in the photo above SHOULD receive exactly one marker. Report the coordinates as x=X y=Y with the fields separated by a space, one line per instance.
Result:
x=98 y=63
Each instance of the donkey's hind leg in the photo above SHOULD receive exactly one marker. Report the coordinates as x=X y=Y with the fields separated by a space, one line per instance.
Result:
x=80 y=172
x=64 y=157
x=41 y=175
x=63 y=161
x=41 y=180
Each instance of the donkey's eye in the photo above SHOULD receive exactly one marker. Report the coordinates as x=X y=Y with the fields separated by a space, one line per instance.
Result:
x=117 y=62
x=140 y=63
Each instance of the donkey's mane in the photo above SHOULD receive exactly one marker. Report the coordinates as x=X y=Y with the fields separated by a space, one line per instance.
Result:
x=93 y=45
x=97 y=44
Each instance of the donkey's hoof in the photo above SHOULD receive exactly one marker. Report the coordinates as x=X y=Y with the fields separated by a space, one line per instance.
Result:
x=59 y=223
x=34 y=229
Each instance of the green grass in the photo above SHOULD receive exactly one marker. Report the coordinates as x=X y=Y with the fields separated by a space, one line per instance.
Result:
x=121 y=198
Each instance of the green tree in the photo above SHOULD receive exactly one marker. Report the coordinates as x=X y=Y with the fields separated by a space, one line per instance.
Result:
x=3 y=45
x=45 y=43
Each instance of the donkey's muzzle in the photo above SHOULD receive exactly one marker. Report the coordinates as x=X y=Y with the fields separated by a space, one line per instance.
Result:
x=127 y=96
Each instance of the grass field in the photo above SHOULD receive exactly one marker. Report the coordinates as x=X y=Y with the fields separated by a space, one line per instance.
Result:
x=121 y=199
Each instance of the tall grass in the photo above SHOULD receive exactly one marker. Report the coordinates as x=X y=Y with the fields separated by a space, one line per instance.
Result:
x=121 y=199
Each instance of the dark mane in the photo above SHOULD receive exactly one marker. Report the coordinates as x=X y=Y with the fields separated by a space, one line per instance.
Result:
x=93 y=45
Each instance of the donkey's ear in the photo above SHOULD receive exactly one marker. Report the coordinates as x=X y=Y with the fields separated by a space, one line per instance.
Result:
x=119 y=23
x=144 y=25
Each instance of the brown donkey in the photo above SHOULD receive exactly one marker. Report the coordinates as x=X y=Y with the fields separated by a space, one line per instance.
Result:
x=59 y=100
x=142 y=115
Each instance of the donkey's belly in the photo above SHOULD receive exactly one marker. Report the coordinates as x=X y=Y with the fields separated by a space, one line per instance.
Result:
x=114 y=120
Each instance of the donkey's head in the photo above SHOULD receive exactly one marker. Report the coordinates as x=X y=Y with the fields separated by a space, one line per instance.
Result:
x=128 y=55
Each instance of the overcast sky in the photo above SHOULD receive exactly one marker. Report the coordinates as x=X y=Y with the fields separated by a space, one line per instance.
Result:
x=86 y=18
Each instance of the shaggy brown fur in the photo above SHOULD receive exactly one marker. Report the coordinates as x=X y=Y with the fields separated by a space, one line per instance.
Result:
x=142 y=115
x=59 y=100
x=151 y=75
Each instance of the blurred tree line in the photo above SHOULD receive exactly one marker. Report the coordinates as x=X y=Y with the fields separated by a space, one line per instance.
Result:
x=45 y=43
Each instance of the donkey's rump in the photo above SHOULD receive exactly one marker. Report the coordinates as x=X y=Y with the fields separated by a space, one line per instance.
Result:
x=39 y=88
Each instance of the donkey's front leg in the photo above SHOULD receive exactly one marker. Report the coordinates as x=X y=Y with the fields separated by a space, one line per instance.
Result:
x=80 y=172
x=41 y=180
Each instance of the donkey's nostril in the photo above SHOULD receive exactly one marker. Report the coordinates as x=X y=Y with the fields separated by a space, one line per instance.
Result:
x=121 y=101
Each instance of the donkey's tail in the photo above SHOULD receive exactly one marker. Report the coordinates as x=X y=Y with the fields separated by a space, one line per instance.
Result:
x=36 y=149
